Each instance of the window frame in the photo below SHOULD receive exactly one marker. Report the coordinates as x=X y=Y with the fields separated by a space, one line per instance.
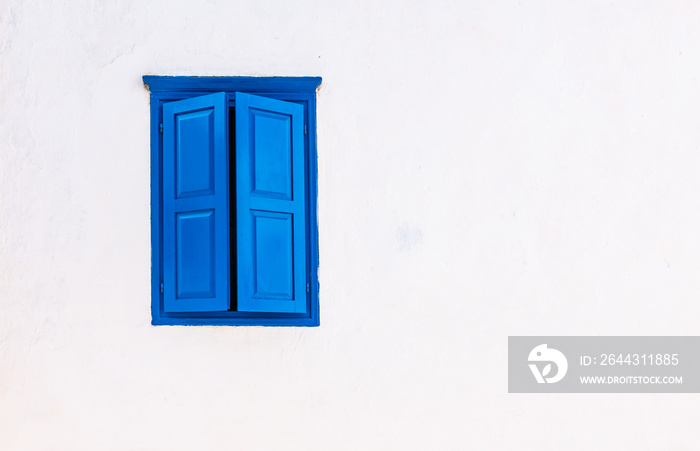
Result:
x=301 y=90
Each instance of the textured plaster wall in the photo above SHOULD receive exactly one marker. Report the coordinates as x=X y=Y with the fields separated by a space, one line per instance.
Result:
x=486 y=168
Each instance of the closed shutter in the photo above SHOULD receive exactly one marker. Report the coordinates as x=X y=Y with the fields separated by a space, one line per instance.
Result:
x=270 y=205
x=195 y=205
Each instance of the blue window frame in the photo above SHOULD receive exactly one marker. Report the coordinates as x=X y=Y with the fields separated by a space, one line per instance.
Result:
x=233 y=201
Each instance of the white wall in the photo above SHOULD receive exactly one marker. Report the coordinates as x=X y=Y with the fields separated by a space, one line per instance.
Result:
x=486 y=168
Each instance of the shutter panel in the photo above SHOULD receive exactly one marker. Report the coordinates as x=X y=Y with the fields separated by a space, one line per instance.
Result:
x=195 y=204
x=270 y=205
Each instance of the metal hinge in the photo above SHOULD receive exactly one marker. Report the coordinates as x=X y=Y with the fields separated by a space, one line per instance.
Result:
x=162 y=288
x=307 y=287
x=305 y=129
x=161 y=127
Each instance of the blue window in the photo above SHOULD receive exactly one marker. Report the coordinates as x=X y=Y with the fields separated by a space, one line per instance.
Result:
x=233 y=201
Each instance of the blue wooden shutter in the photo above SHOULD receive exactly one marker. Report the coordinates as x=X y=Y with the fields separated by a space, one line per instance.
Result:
x=270 y=205
x=195 y=205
